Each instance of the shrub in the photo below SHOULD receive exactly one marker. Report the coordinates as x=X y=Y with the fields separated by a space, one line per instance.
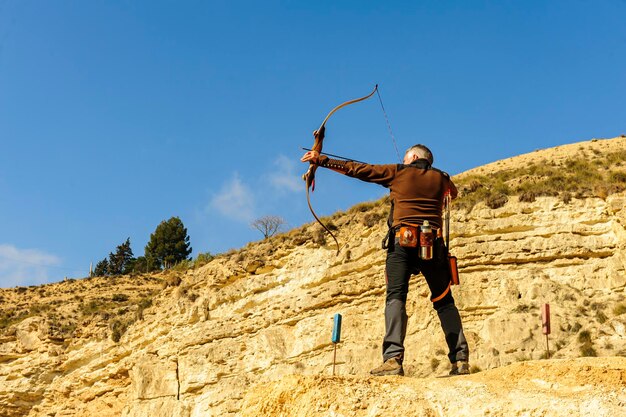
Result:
x=203 y=259
x=601 y=191
x=474 y=186
x=363 y=207
x=586 y=346
x=619 y=309
x=587 y=350
x=119 y=298
x=183 y=265
x=580 y=177
x=617 y=177
x=566 y=197
x=527 y=196
x=118 y=328
x=329 y=223
x=90 y=308
x=584 y=337
x=371 y=219
x=142 y=305
x=496 y=201
x=319 y=236
x=172 y=281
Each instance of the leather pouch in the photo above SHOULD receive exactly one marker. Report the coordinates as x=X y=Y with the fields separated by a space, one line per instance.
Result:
x=407 y=236
x=454 y=269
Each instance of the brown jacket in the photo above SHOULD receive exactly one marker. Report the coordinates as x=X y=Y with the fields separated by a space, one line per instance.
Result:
x=416 y=190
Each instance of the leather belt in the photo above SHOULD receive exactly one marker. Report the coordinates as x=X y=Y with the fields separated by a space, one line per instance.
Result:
x=436 y=232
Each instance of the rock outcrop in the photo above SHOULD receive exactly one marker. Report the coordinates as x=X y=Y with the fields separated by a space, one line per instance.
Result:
x=263 y=314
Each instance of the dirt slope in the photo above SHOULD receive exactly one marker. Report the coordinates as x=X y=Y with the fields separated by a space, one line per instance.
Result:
x=580 y=387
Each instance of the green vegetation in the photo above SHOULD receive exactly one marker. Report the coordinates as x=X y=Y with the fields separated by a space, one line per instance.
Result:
x=143 y=304
x=118 y=312
x=11 y=316
x=120 y=298
x=372 y=218
x=118 y=328
x=579 y=177
x=169 y=244
x=586 y=346
x=203 y=259
x=91 y=308
x=183 y=265
x=118 y=263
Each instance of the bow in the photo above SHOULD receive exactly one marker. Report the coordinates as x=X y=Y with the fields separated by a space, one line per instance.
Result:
x=309 y=176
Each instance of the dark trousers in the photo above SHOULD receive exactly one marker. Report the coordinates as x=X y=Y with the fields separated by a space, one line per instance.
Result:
x=401 y=263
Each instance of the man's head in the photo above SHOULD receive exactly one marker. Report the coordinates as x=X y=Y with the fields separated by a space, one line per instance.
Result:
x=418 y=152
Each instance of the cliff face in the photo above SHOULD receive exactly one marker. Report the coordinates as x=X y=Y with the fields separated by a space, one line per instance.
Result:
x=264 y=313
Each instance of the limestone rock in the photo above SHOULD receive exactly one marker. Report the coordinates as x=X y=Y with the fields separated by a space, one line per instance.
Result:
x=263 y=314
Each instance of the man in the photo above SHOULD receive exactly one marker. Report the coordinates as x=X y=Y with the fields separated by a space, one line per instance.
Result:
x=417 y=192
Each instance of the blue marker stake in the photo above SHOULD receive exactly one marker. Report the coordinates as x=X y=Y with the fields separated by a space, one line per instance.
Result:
x=337 y=328
x=336 y=337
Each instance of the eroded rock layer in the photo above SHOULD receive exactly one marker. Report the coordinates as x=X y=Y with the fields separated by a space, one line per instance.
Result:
x=264 y=313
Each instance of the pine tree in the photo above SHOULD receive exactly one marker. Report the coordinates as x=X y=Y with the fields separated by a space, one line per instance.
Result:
x=102 y=268
x=120 y=260
x=138 y=265
x=168 y=245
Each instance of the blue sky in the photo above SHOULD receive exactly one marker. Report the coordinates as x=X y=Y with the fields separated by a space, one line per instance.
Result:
x=116 y=115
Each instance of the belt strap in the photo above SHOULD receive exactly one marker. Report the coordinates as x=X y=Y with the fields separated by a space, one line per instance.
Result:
x=435 y=231
x=434 y=300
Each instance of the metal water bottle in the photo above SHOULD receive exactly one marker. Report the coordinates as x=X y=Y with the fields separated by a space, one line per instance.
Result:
x=426 y=241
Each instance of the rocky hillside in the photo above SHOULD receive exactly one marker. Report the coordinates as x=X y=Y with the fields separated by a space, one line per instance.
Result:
x=196 y=342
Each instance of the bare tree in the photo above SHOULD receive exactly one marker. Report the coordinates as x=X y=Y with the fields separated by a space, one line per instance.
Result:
x=268 y=225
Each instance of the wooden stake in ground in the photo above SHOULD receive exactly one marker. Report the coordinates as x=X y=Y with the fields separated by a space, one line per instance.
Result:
x=545 y=326
x=336 y=337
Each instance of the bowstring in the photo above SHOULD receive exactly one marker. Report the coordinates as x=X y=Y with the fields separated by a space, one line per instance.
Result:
x=393 y=138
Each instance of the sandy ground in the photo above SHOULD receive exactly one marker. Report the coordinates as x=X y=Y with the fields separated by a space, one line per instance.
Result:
x=579 y=387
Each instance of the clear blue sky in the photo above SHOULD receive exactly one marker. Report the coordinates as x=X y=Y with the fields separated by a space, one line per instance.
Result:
x=116 y=115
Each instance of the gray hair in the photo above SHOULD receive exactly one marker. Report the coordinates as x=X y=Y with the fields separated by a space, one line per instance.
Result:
x=422 y=152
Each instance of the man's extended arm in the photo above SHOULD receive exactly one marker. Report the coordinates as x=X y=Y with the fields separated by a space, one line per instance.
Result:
x=379 y=174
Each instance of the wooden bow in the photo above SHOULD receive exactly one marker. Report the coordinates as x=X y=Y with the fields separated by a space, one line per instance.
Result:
x=309 y=176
